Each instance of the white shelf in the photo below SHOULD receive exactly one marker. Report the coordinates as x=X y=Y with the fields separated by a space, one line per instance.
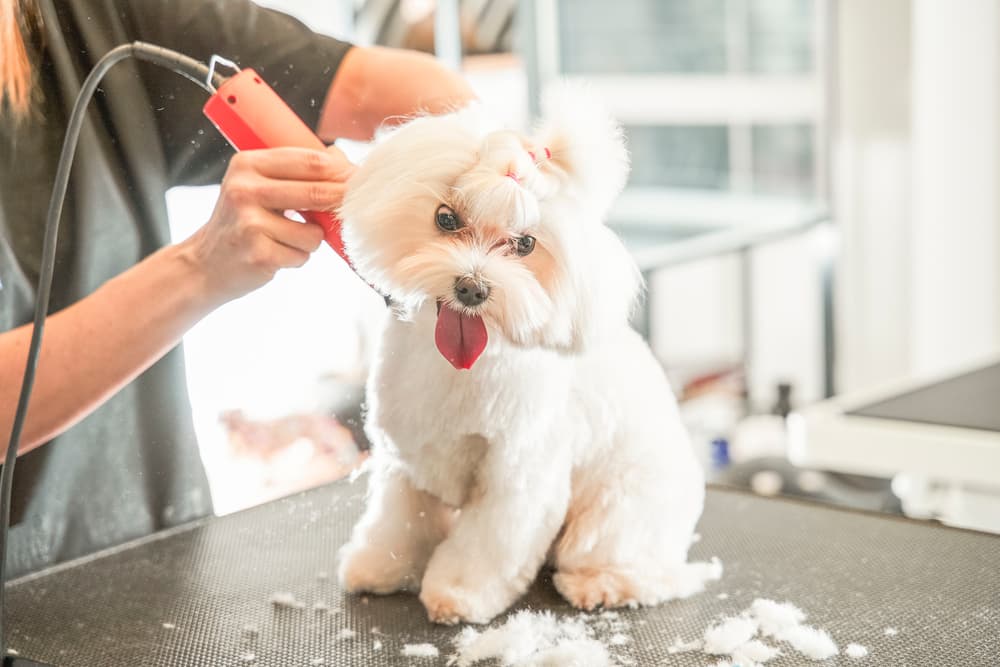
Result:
x=658 y=207
x=725 y=99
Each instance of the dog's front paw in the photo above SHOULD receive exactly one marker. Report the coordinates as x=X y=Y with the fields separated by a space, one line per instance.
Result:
x=454 y=590
x=367 y=569
x=446 y=606
x=589 y=589
x=449 y=605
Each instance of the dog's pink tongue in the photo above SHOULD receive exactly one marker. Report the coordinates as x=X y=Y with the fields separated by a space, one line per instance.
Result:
x=460 y=338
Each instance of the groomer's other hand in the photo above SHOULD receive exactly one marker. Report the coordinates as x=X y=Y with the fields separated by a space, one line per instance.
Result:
x=248 y=238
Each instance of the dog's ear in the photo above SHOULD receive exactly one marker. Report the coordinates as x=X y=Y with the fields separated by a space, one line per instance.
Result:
x=589 y=161
x=608 y=284
x=586 y=145
x=598 y=283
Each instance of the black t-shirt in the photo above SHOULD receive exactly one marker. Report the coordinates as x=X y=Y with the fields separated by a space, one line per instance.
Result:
x=132 y=466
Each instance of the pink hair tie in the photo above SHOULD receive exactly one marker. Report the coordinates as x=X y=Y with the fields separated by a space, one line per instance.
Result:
x=548 y=155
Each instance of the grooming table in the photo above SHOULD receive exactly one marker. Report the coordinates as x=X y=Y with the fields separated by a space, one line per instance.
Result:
x=943 y=428
x=942 y=431
x=855 y=575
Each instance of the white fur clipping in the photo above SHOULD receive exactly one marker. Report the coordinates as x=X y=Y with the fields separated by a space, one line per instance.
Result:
x=812 y=642
x=420 y=651
x=735 y=637
x=754 y=651
x=856 y=650
x=286 y=600
x=774 y=617
x=532 y=639
x=681 y=646
x=697 y=574
x=727 y=636
x=783 y=621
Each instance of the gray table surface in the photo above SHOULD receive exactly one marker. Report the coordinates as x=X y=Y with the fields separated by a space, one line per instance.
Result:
x=969 y=400
x=855 y=574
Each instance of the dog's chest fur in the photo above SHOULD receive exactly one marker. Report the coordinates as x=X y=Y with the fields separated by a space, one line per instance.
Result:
x=441 y=423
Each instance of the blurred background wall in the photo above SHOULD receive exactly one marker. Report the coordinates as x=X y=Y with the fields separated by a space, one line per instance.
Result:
x=916 y=186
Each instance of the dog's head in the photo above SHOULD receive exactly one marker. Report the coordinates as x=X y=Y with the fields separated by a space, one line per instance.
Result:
x=504 y=232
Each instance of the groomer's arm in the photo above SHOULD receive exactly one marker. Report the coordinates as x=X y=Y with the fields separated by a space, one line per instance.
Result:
x=376 y=85
x=96 y=346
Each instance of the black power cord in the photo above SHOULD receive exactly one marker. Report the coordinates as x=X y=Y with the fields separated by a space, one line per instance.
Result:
x=191 y=69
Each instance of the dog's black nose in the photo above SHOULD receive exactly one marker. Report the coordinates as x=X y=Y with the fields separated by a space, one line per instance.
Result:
x=471 y=292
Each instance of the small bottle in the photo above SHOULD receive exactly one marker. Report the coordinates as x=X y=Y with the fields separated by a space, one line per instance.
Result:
x=720 y=453
x=783 y=405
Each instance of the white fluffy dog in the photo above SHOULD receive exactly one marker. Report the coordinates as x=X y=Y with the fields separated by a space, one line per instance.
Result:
x=561 y=443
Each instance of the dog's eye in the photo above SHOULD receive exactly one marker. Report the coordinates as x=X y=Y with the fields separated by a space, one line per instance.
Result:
x=523 y=245
x=446 y=219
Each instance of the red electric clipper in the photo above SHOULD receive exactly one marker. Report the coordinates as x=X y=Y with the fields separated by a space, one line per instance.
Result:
x=250 y=115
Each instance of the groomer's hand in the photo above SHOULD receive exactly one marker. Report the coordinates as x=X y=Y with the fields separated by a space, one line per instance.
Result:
x=248 y=238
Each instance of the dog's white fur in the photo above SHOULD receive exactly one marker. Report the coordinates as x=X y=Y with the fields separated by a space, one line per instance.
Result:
x=563 y=442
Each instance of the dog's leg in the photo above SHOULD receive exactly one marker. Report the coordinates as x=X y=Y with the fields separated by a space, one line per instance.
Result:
x=627 y=535
x=501 y=536
x=391 y=544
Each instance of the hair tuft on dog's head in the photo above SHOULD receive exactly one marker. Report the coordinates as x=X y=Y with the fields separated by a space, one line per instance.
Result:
x=587 y=145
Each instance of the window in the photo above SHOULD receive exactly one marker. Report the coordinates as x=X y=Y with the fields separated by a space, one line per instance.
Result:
x=716 y=95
